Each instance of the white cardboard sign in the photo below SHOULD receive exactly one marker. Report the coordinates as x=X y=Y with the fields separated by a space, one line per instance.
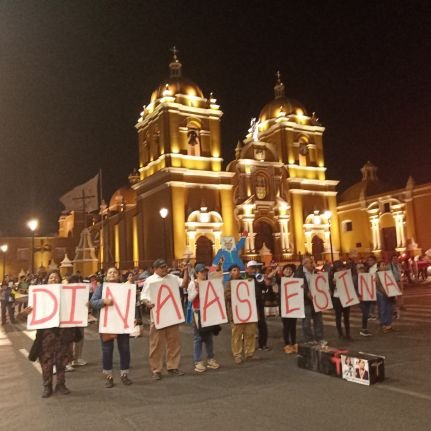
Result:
x=346 y=288
x=168 y=310
x=243 y=297
x=73 y=305
x=292 y=297
x=389 y=283
x=367 y=286
x=118 y=318
x=211 y=302
x=45 y=301
x=319 y=288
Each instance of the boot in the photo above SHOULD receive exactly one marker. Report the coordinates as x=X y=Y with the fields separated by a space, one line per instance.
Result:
x=47 y=391
x=61 y=387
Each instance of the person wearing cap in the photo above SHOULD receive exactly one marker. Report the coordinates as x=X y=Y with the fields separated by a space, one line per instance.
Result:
x=200 y=337
x=165 y=339
x=243 y=341
x=252 y=271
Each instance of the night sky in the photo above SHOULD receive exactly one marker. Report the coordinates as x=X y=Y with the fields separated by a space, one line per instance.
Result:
x=75 y=74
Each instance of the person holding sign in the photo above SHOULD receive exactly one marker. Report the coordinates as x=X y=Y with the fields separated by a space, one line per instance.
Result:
x=167 y=337
x=123 y=340
x=53 y=347
x=384 y=302
x=243 y=342
x=201 y=335
x=338 y=307
x=289 y=323
x=311 y=316
x=362 y=284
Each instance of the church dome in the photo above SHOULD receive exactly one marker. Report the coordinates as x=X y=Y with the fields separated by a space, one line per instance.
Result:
x=281 y=105
x=370 y=185
x=176 y=85
x=123 y=196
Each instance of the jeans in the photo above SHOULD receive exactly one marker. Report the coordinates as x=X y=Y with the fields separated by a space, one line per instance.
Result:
x=289 y=330
x=365 y=309
x=310 y=314
x=108 y=353
x=198 y=340
x=9 y=306
x=385 y=309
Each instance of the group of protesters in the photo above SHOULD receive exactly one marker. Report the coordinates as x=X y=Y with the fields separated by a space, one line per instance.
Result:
x=60 y=349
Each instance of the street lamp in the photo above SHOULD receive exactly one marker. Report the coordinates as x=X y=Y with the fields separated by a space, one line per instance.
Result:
x=328 y=215
x=4 y=248
x=32 y=224
x=163 y=214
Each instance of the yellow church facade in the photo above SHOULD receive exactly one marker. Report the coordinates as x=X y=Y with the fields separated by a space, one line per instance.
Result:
x=275 y=189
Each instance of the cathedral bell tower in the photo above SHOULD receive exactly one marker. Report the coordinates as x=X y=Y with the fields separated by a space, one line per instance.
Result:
x=281 y=193
x=180 y=170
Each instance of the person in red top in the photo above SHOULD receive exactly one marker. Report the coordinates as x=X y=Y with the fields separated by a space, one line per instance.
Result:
x=200 y=335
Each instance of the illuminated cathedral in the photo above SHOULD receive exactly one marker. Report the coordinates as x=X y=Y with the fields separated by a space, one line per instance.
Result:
x=275 y=189
x=181 y=200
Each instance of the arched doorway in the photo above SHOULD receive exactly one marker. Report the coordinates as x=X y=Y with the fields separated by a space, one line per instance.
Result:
x=388 y=235
x=263 y=232
x=317 y=247
x=204 y=250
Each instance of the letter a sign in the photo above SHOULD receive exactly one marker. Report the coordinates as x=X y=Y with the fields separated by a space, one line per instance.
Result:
x=211 y=302
x=167 y=311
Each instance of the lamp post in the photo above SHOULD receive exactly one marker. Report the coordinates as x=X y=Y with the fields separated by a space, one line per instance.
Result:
x=163 y=214
x=33 y=224
x=328 y=215
x=4 y=248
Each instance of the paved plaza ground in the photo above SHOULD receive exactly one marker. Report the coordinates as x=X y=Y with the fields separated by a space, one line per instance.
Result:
x=268 y=393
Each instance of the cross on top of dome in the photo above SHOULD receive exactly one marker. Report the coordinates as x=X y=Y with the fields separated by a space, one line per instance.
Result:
x=175 y=64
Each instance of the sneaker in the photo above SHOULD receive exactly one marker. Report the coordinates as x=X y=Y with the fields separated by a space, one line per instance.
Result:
x=238 y=360
x=69 y=368
x=47 y=392
x=109 y=381
x=61 y=387
x=200 y=367
x=372 y=317
x=365 y=333
x=79 y=363
x=175 y=372
x=125 y=380
x=266 y=348
x=213 y=364
x=157 y=376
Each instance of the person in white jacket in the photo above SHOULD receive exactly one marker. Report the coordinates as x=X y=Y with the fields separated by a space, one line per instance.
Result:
x=200 y=335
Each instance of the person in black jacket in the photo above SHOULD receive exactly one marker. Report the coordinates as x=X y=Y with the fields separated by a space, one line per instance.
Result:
x=253 y=273
x=311 y=317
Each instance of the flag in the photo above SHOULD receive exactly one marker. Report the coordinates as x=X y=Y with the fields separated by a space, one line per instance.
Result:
x=83 y=198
